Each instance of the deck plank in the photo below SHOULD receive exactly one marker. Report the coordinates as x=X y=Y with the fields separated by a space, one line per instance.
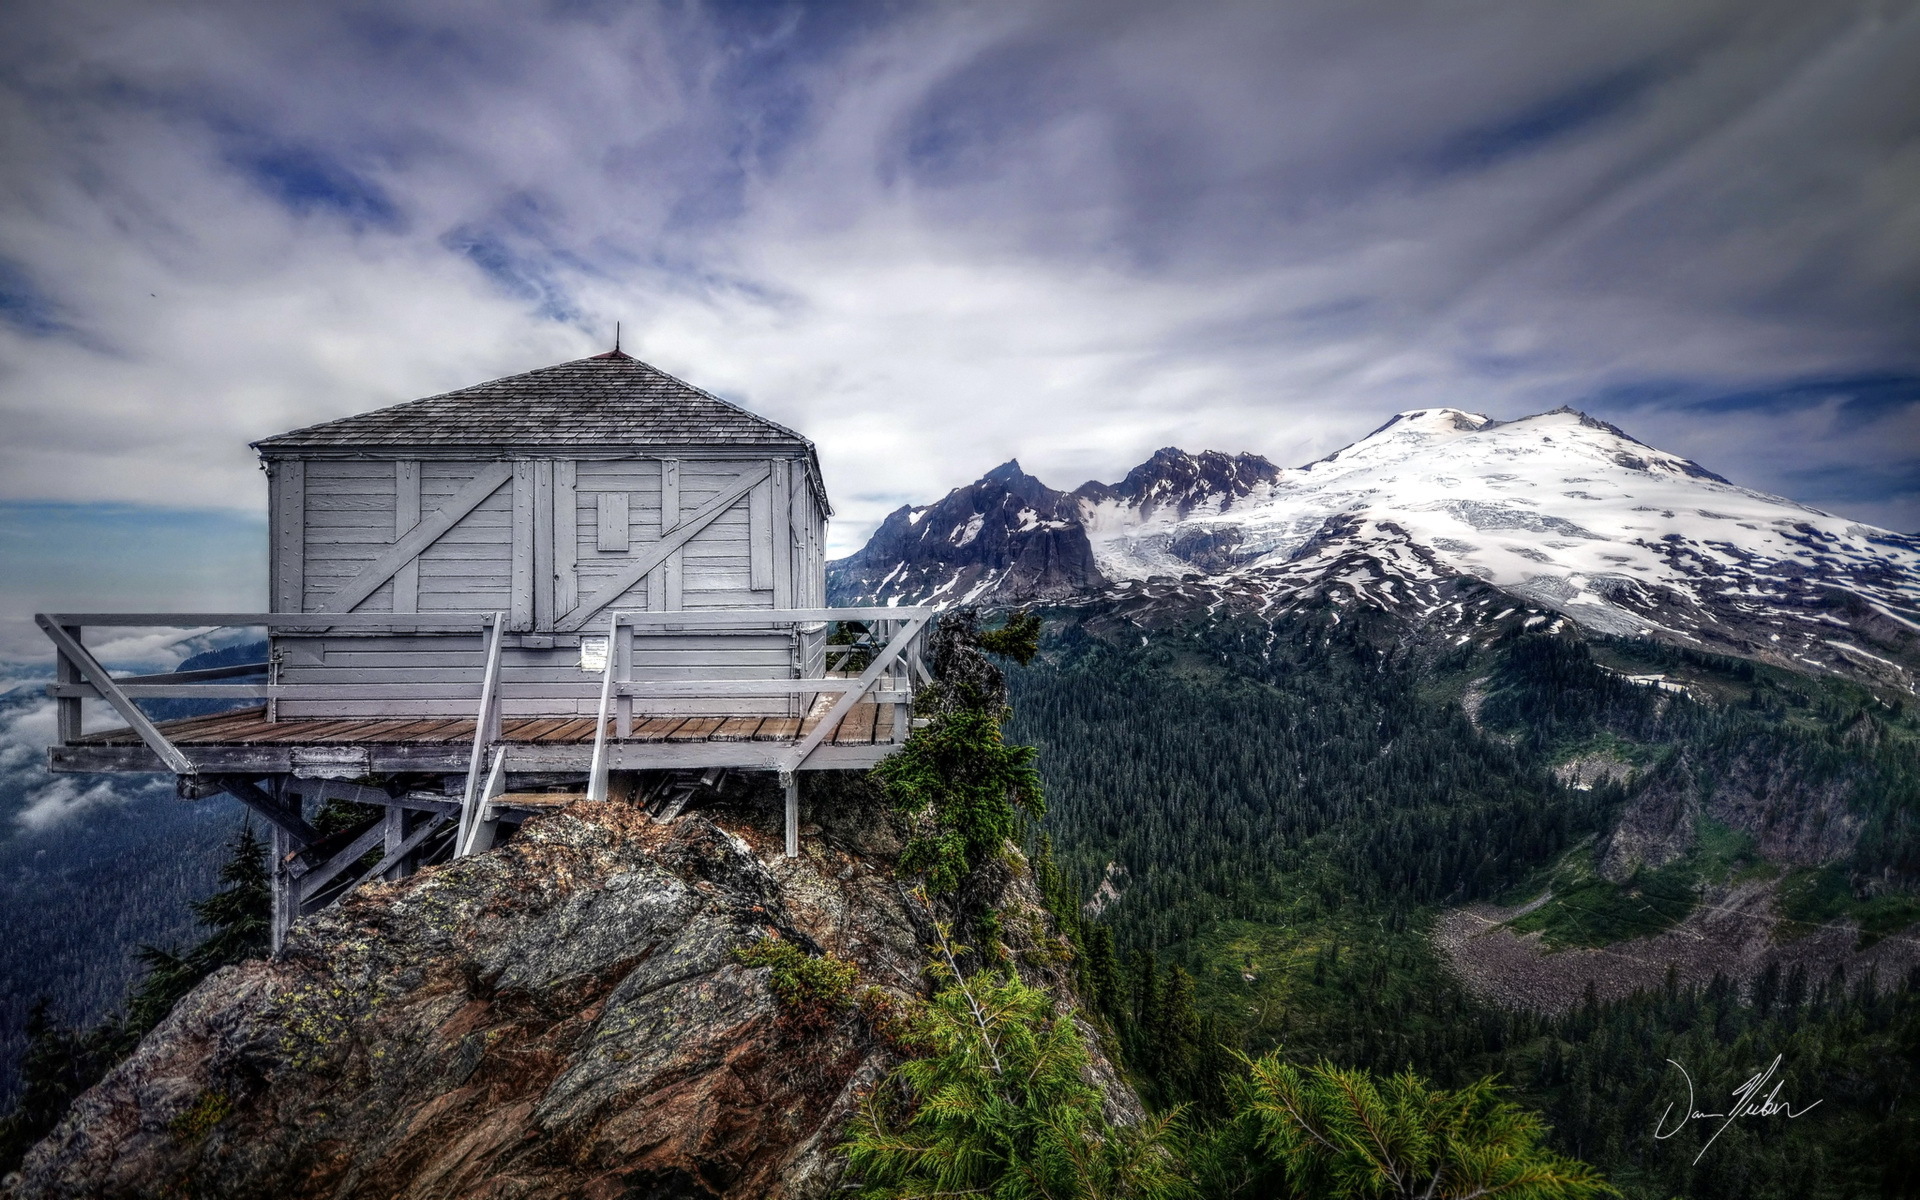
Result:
x=864 y=724
x=856 y=728
x=577 y=729
x=213 y=730
x=657 y=729
x=778 y=729
x=696 y=729
x=736 y=729
x=534 y=730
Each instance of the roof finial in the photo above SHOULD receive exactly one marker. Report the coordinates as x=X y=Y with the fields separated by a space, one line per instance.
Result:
x=615 y=352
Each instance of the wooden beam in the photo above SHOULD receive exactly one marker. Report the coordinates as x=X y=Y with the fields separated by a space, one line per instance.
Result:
x=659 y=552
x=95 y=674
x=290 y=824
x=543 y=544
x=463 y=619
x=520 y=589
x=236 y=671
x=396 y=856
x=792 y=790
x=566 y=538
x=760 y=538
x=406 y=515
x=287 y=545
x=483 y=823
x=486 y=726
x=68 y=723
x=284 y=910
x=779 y=529
x=309 y=880
x=407 y=548
x=669 y=575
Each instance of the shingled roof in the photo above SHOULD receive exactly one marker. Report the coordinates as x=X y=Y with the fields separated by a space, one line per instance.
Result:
x=608 y=400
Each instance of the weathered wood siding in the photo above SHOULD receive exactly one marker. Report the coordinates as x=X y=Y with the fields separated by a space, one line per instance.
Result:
x=538 y=545
x=536 y=681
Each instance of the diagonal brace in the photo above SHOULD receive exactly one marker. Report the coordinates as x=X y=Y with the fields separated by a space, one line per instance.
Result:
x=95 y=674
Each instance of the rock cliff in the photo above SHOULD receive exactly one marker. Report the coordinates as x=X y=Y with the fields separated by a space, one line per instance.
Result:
x=562 y=1017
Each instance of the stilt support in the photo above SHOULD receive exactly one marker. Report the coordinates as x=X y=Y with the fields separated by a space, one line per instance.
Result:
x=791 y=784
x=283 y=901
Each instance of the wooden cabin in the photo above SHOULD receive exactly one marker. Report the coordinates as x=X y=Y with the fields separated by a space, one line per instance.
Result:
x=590 y=581
x=556 y=497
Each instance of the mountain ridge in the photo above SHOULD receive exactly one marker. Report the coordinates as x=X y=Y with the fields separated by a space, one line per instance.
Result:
x=1559 y=510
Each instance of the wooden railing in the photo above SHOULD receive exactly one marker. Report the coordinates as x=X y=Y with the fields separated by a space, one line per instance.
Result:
x=885 y=643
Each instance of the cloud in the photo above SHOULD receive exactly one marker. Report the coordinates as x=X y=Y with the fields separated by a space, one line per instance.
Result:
x=935 y=237
x=30 y=798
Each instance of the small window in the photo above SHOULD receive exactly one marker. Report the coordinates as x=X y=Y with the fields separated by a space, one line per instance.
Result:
x=614 y=526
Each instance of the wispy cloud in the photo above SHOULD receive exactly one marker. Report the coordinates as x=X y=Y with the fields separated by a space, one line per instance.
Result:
x=938 y=236
x=30 y=798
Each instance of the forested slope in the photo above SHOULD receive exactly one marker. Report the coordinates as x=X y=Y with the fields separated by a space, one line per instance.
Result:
x=1283 y=809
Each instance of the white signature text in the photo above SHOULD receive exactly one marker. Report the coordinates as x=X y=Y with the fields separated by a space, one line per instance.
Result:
x=1747 y=1102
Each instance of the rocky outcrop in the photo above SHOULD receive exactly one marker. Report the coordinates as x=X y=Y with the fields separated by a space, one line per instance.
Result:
x=562 y=1017
x=1797 y=813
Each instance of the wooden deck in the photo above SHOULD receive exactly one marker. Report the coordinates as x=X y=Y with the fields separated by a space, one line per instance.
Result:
x=245 y=741
x=863 y=725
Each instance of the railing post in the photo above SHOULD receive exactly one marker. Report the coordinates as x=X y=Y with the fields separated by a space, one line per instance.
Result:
x=68 y=716
x=597 y=768
x=486 y=725
x=620 y=657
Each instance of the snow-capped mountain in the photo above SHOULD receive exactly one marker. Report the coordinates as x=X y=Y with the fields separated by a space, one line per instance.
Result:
x=1560 y=511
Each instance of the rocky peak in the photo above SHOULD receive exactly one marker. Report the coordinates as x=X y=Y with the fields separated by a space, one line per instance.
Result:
x=562 y=1017
x=1177 y=482
x=1006 y=538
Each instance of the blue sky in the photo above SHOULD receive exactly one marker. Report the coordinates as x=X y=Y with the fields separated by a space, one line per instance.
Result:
x=936 y=236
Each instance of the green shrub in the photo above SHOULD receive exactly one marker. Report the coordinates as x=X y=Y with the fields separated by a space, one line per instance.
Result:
x=812 y=992
x=1341 y=1134
x=999 y=1106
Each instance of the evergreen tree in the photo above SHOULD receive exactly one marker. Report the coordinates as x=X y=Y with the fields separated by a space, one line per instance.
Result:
x=62 y=1062
x=1341 y=1134
x=999 y=1106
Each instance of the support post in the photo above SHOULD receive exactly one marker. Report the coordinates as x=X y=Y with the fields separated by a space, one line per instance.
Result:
x=477 y=828
x=791 y=783
x=394 y=826
x=282 y=890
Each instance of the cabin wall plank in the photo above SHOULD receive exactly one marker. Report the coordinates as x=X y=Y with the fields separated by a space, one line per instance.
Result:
x=614 y=524
x=566 y=537
x=670 y=509
x=287 y=545
x=520 y=601
x=542 y=582
x=406 y=514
